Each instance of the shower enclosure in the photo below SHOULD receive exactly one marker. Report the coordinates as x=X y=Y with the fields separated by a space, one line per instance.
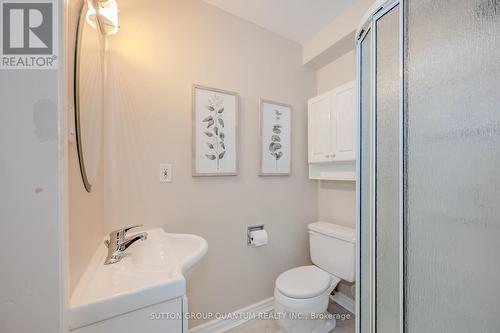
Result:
x=429 y=167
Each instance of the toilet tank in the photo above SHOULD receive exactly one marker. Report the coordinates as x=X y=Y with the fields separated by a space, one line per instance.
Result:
x=333 y=249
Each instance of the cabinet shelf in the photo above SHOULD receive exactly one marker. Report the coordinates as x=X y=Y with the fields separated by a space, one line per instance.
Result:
x=341 y=171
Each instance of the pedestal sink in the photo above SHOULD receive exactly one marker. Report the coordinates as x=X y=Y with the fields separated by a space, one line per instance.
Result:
x=151 y=272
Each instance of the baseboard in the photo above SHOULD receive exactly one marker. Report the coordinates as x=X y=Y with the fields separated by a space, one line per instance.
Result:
x=219 y=325
x=344 y=301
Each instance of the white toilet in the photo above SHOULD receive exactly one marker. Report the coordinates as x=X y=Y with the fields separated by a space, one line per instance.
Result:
x=301 y=294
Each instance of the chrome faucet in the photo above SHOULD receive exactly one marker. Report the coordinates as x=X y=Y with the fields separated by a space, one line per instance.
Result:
x=117 y=244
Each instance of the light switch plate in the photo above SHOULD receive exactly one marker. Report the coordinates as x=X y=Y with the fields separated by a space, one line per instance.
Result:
x=165 y=173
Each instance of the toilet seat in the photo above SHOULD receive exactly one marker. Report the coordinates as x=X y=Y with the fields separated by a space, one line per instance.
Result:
x=304 y=282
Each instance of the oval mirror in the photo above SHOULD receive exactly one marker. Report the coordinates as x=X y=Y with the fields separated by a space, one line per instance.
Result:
x=88 y=91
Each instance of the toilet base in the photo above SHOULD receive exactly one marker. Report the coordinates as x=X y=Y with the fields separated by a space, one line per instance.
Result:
x=304 y=315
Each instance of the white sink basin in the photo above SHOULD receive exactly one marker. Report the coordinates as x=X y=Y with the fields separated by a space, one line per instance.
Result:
x=152 y=271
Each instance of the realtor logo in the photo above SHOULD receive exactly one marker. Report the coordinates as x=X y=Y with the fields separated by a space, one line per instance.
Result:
x=29 y=34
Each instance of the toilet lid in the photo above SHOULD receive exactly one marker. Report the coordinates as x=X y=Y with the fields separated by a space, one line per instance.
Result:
x=303 y=282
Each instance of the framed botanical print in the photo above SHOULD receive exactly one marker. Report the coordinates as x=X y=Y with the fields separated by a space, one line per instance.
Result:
x=275 y=138
x=215 y=132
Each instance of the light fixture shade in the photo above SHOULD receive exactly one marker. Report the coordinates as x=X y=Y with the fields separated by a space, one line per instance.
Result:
x=108 y=12
x=106 y=15
x=91 y=13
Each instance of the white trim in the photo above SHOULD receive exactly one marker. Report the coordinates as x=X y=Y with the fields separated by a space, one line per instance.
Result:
x=344 y=301
x=373 y=174
x=63 y=200
x=401 y=162
x=359 y=180
x=219 y=325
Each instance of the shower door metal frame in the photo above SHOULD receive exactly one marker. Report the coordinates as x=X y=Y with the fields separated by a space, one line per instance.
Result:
x=370 y=26
x=359 y=40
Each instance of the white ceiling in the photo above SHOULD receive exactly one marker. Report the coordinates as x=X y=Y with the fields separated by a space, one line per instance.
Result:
x=294 y=19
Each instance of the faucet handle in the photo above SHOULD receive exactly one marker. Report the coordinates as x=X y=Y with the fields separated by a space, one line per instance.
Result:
x=118 y=235
x=125 y=230
x=122 y=231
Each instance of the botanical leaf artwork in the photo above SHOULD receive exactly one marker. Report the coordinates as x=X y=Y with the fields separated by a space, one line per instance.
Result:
x=275 y=146
x=275 y=139
x=214 y=129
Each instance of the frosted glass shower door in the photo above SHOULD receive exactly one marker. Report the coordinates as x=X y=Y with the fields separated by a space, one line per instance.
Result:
x=452 y=220
x=429 y=168
x=379 y=178
x=387 y=172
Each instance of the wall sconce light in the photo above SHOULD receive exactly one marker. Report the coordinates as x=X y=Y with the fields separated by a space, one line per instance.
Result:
x=103 y=13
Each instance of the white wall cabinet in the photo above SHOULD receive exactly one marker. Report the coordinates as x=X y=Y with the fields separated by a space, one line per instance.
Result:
x=332 y=134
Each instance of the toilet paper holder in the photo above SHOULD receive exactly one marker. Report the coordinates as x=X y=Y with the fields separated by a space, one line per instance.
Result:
x=253 y=228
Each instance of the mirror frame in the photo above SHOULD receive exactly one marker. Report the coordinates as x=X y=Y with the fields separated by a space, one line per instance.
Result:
x=76 y=95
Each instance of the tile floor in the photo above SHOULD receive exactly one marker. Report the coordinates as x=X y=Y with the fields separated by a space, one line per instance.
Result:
x=271 y=326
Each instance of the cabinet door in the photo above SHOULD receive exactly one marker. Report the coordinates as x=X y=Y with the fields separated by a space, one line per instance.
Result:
x=319 y=127
x=160 y=318
x=334 y=124
x=344 y=145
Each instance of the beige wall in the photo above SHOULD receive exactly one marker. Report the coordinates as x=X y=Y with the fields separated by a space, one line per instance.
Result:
x=86 y=210
x=162 y=48
x=86 y=214
x=333 y=34
x=337 y=72
x=337 y=200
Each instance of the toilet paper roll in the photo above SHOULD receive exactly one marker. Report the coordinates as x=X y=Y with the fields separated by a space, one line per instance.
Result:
x=258 y=237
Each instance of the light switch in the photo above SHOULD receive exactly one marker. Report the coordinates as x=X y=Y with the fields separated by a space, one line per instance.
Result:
x=165 y=173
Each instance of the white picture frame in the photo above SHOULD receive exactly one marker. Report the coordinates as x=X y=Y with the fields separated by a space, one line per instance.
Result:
x=275 y=138
x=214 y=132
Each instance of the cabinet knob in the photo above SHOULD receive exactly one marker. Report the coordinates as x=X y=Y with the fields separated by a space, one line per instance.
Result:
x=332 y=155
x=327 y=156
